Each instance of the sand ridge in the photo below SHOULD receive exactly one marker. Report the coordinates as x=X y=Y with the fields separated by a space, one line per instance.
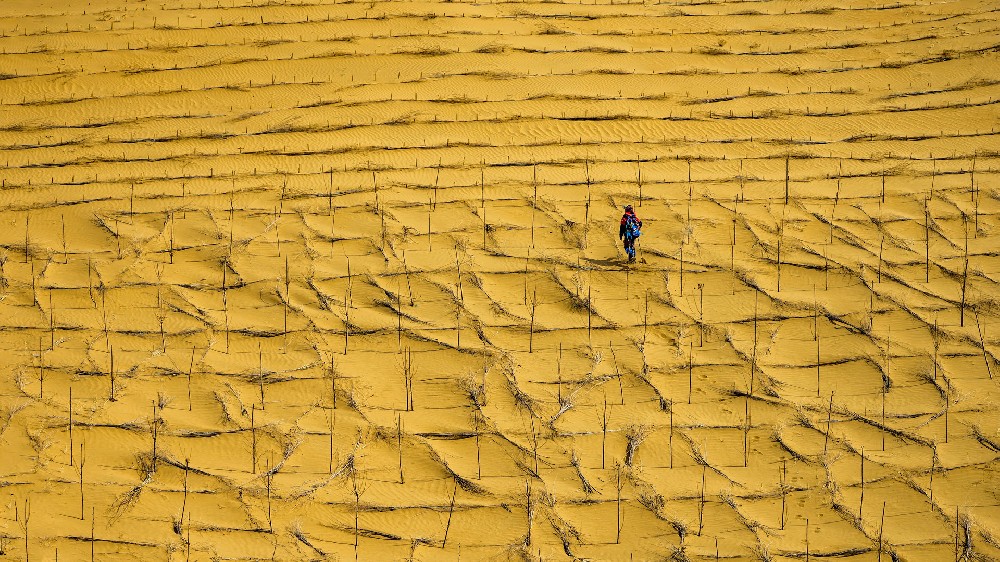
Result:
x=321 y=280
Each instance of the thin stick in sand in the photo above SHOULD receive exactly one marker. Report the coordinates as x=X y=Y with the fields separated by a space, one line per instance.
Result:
x=225 y=300
x=957 y=556
x=681 y=268
x=982 y=344
x=41 y=371
x=559 y=375
x=618 y=374
x=618 y=504
x=589 y=313
x=807 y=540
x=451 y=512
x=671 y=438
x=701 y=315
x=478 y=431
x=79 y=470
x=829 y=417
x=930 y=486
x=190 y=370
x=786 y=179
x=604 y=429
x=528 y=509
x=784 y=491
x=746 y=430
x=927 y=242
x=62 y=218
x=531 y=328
x=861 y=503
x=253 y=440
x=154 y=430
x=817 y=367
x=268 y=476
x=111 y=371
x=965 y=270
x=690 y=370
x=187 y=468
x=260 y=375
x=638 y=167
x=70 y=426
x=399 y=445
x=947 y=405
x=881 y=526
x=781 y=234
x=701 y=503
x=333 y=424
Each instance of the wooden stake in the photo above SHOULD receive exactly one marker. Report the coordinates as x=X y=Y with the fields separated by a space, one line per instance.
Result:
x=746 y=431
x=671 y=442
x=982 y=343
x=187 y=468
x=927 y=243
x=399 y=445
x=690 y=369
x=171 y=236
x=701 y=315
x=260 y=376
x=781 y=232
x=41 y=372
x=155 y=431
x=253 y=440
x=479 y=464
x=618 y=374
x=947 y=405
x=71 y=426
x=618 y=504
x=861 y=504
x=267 y=469
x=829 y=417
x=957 y=557
x=930 y=486
x=190 y=370
x=333 y=423
x=682 y=267
x=62 y=218
x=638 y=166
x=701 y=504
x=881 y=526
x=451 y=512
x=590 y=305
x=111 y=396
x=604 y=430
x=965 y=270
x=807 y=540
x=784 y=491
x=531 y=329
x=559 y=376
x=817 y=368
x=786 y=179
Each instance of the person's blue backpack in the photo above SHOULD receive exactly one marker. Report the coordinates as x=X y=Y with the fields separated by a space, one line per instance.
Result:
x=632 y=226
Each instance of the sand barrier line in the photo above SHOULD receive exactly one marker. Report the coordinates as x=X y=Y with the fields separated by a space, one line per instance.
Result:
x=499 y=20
x=503 y=203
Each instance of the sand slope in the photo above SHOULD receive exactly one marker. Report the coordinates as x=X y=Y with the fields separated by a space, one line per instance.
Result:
x=308 y=281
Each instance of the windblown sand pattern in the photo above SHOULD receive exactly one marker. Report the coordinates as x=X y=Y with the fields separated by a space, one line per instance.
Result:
x=291 y=280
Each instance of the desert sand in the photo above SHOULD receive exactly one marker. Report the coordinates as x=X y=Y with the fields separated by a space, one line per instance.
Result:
x=341 y=280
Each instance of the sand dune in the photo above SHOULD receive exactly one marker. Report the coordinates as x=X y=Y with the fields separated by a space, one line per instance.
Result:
x=307 y=281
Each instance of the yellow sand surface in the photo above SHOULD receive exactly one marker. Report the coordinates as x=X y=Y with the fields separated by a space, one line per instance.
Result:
x=319 y=280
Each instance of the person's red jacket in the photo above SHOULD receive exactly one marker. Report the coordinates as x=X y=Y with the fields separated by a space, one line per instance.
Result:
x=621 y=229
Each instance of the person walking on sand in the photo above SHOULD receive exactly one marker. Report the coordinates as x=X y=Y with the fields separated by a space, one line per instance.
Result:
x=629 y=230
